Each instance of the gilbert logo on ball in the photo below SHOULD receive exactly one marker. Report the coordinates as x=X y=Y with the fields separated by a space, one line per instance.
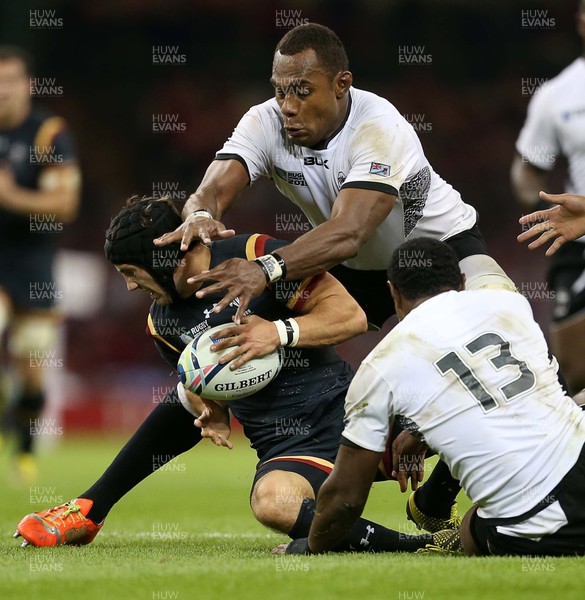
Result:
x=200 y=372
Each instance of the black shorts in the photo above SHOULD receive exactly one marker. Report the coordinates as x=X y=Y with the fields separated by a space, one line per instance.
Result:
x=566 y=268
x=314 y=470
x=27 y=277
x=569 y=540
x=370 y=290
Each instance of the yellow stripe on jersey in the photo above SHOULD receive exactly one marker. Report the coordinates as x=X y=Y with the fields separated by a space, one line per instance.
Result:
x=47 y=131
x=251 y=246
x=315 y=459
x=298 y=294
x=154 y=334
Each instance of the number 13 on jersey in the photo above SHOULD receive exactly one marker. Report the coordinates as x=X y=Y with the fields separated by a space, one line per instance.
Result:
x=452 y=362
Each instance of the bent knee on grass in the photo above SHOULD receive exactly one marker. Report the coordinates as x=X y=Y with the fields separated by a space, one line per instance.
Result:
x=277 y=498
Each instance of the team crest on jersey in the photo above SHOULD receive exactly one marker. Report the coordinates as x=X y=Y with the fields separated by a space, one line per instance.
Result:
x=380 y=169
x=341 y=177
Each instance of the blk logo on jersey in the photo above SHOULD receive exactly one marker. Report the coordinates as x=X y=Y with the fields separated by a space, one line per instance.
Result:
x=380 y=169
x=315 y=161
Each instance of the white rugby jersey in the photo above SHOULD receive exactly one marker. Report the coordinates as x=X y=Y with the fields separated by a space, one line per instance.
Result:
x=472 y=370
x=555 y=124
x=375 y=149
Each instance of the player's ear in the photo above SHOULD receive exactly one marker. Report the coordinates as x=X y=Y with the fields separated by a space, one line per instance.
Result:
x=395 y=294
x=342 y=82
x=462 y=284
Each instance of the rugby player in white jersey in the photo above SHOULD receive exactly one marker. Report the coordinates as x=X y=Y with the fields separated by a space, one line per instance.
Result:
x=472 y=370
x=555 y=125
x=357 y=169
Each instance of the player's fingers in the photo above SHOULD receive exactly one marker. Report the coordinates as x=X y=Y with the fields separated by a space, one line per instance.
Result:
x=532 y=232
x=553 y=198
x=243 y=307
x=241 y=360
x=280 y=549
x=168 y=238
x=402 y=478
x=226 y=233
x=229 y=338
x=215 y=288
x=413 y=481
x=186 y=240
x=226 y=358
x=556 y=245
x=203 y=235
x=546 y=236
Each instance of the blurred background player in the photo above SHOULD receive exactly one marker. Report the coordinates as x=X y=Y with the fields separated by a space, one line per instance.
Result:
x=555 y=125
x=39 y=192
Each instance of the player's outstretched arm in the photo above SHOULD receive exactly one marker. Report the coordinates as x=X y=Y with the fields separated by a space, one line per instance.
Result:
x=559 y=224
x=355 y=216
x=223 y=181
x=328 y=316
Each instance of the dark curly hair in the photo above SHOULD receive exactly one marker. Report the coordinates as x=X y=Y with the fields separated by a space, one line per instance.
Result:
x=327 y=46
x=424 y=267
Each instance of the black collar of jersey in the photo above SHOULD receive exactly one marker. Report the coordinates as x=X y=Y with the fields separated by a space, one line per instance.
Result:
x=323 y=144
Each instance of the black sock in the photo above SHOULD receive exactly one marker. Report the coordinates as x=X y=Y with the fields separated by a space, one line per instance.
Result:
x=364 y=536
x=27 y=412
x=437 y=495
x=167 y=432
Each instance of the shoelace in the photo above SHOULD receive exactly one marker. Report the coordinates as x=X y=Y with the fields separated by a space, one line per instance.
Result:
x=72 y=511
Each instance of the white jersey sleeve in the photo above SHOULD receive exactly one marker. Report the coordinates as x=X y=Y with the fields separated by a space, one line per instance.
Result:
x=367 y=410
x=383 y=153
x=537 y=142
x=248 y=143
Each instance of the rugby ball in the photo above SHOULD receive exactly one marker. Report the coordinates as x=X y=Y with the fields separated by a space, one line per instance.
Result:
x=200 y=372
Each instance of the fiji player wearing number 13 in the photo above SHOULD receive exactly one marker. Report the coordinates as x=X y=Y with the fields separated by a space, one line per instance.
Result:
x=472 y=370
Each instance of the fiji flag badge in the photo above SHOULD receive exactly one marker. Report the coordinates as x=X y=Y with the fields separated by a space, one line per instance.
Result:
x=380 y=169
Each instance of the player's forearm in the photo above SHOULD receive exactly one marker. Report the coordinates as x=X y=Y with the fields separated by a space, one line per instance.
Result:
x=222 y=182
x=333 y=321
x=59 y=202
x=320 y=249
x=527 y=181
x=204 y=198
x=336 y=514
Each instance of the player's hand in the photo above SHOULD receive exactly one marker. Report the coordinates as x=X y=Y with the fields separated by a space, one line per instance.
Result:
x=214 y=424
x=255 y=337
x=408 y=460
x=298 y=546
x=559 y=224
x=195 y=228
x=238 y=278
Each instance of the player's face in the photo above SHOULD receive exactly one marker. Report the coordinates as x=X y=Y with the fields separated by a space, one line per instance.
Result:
x=313 y=106
x=137 y=278
x=14 y=88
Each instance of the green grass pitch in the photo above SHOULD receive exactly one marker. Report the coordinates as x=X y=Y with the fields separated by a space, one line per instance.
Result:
x=188 y=532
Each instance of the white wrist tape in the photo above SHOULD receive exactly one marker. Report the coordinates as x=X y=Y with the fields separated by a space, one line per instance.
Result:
x=288 y=332
x=271 y=267
x=201 y=213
